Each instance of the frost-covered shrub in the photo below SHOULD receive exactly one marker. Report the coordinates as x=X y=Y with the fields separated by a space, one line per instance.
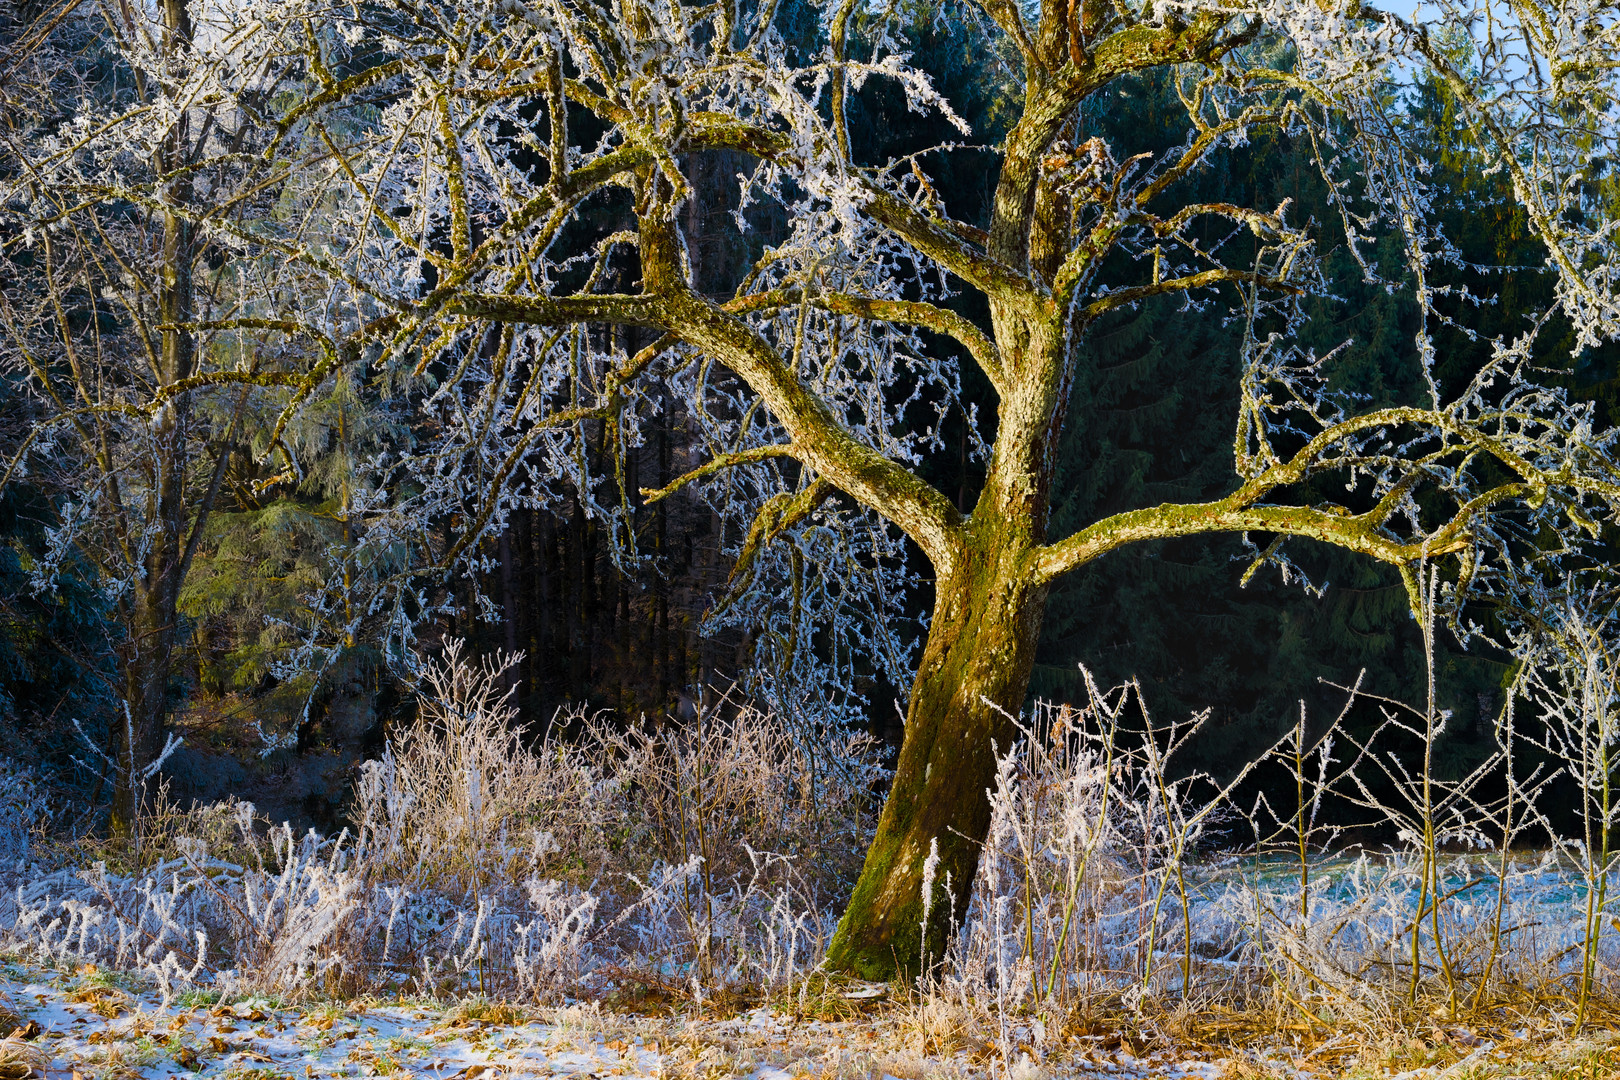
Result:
x=22 y=810
x=1117 y=875
x=458 y=797
x=717 y=847
x=716 y=852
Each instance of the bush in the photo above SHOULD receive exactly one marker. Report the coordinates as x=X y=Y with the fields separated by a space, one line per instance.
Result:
x=475 y=857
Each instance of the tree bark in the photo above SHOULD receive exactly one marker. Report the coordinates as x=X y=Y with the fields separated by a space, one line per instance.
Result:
x=971 y=682
x=149 y=651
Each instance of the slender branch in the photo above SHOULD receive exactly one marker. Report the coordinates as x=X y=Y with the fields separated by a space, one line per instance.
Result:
x=1123 y=297
x=617 y=308
x=751 y=456
x=780 y=513
x=929 y=317
x=942 y=244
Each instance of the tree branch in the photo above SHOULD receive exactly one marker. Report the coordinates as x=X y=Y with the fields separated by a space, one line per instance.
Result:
x=1121 y=297
x=1359 y=533
x=819 y=439
x=940 y=243
x=621 y=309
x=780 y=513
x=929 y=317
x=1240 y=511
x=751 y=456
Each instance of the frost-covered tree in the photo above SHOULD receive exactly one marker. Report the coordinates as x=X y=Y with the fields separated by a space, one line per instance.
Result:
x=500 y=187
x=121 y=143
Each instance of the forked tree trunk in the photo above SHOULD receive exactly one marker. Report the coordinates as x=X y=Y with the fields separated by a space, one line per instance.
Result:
x=972 y=679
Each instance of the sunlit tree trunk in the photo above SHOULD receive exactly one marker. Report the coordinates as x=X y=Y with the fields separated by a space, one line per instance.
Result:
x=973 y=676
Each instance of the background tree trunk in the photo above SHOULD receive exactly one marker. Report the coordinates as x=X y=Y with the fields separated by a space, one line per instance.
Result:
x=148 y=654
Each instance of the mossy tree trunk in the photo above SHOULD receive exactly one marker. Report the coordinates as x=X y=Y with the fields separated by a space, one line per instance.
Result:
x=972 y=680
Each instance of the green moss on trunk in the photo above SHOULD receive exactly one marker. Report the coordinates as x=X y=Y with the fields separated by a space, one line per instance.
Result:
x=971 y=682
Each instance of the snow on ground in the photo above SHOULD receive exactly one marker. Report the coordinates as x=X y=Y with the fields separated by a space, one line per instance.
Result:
x=91 y=1025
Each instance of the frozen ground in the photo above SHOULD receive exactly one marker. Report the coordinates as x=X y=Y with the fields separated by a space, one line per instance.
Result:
x=89 y=1024
x=92 y=1026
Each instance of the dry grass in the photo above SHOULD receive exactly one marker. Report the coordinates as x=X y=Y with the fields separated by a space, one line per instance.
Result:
x=101 y=991
x=486 y=1013
x=629 y=867
x=19 y=1059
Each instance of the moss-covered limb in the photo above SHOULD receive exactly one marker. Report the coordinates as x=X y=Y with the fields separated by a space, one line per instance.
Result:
x=622 y=309
x=1202 y=280
x=601 y=105
x=164 y=394
x=1008 y=15
x=1150 y=45
x=1057 y=81
x=943 y=244
x=971 y=681
x=752 y=456
x=569 y=188
x=835 y=40
x=780 y=513
x=905 y=312
x=339 y=91
x=820 y=440
x=1047 y=109
x=1209 y=135
x=1355 y=532
x=929 y=317
x=1470 y=436
x=454 y=180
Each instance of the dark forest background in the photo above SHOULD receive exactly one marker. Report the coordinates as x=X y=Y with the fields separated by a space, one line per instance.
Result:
x=1151 y=420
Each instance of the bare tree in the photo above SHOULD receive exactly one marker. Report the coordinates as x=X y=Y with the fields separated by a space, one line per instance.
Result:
x=464 y=144
x=130 y=133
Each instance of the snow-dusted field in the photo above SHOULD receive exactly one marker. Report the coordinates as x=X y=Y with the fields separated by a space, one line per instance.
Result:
x=88 y=1024
x=92 y=1024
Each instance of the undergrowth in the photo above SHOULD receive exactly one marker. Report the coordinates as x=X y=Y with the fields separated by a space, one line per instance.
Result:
x=1125 y=899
